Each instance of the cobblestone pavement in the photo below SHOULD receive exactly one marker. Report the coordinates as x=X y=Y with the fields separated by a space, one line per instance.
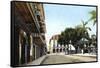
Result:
x=54 y=59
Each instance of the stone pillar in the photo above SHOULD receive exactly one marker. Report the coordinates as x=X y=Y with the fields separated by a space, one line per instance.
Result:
x=23 y=50
x=59 y=48
x=28 y=47
x=62 y=48
x=31 y=48
x=33 y=52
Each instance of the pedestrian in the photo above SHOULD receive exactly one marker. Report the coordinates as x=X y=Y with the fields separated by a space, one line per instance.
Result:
x=82 y=51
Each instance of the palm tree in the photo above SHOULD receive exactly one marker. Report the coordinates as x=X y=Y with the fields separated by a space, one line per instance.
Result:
x=93 y=17
x=84 y=31
x=83 y=28
x=74 y=34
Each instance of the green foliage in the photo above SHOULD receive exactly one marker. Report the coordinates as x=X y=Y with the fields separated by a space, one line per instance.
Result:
x=77 y=33
x=93 y=16
x=74 y=34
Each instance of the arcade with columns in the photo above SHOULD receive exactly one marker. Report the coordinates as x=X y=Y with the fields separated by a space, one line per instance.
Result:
x=27 y=32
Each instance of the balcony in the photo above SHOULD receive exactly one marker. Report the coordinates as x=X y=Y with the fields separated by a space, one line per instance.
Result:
x=39 y=38
x=34 y=16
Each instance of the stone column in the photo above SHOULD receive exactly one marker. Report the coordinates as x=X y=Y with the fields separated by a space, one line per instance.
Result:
x=62 y=48
x=28 y=47
x=58 y=48
x=31 y=48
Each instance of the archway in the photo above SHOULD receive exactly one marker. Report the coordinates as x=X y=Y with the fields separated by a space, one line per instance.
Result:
x=23 y=43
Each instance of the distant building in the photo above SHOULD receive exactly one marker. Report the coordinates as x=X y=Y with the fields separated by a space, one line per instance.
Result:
x=28 y=32
x=57 y=48
x=53 y=43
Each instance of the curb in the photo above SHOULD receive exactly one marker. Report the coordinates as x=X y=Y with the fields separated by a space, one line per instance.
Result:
x=85 y=56
x=43 y=60
x=38 y=61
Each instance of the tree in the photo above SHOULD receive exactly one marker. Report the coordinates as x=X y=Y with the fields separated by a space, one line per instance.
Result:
x=94 y=40
x=83 y=31
x=93 y=16
x=74 y=35
x=60 y=40
x=67 y=35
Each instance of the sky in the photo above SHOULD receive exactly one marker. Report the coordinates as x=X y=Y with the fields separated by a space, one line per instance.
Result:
x=59 y=17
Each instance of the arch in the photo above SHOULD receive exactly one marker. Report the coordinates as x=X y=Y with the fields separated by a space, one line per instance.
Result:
x=22 y=47
x=32 y=49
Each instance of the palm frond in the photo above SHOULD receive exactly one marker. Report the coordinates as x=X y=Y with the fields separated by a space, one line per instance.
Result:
x=93 y=16
x=88 y=28
x=85 y=23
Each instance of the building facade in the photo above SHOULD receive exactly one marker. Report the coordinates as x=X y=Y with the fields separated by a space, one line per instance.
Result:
x=27 y=32
x=55 y=47
x=58 y=48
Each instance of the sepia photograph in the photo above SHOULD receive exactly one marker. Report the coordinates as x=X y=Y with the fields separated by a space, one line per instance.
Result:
x=53 y=33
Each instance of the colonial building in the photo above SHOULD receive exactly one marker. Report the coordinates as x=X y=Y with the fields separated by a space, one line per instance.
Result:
x=54 y=44
x=58 y=48
x=27 y=32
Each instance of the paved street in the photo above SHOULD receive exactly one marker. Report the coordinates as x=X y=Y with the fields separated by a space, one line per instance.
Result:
x=54 y=59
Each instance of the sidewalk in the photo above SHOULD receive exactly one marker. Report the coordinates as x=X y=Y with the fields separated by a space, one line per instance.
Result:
x=71 y=57
x=37 y=61
x=85 y=55
x=56 y=58
x=80 y=54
